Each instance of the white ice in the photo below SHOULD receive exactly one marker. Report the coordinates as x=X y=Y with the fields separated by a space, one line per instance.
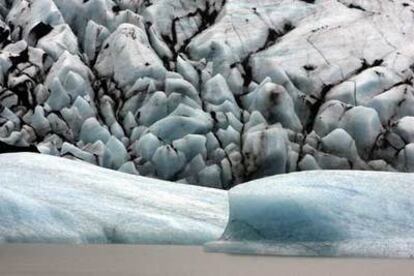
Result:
x=323 y=213
x=49 y=199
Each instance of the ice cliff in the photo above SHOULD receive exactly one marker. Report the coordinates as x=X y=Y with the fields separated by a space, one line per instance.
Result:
x=210 y=92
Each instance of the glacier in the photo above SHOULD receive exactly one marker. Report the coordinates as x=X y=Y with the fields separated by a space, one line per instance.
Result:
x=45 y=199
x=210 y=92
x=324 y=213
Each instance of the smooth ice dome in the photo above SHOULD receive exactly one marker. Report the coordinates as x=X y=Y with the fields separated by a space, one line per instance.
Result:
x=44 y=199
x=330 y=213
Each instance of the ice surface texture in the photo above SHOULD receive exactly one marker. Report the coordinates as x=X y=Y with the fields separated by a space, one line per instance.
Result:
x=210 y=92
x=329 y=213
x=46 y=199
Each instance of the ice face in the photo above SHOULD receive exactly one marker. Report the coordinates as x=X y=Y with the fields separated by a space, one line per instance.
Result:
x=46 y=199
x=211 y=92
x=329 y=213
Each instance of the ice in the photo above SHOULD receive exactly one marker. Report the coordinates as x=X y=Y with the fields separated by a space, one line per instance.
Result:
x=95 y=35
x=175 y=127
x=308 y=163
x=324 y=213
x=115 y=154
x=59 y=127
x=405 y=158
x=46 y=199
x=181 y=87
x=395 y=103
x=191 y=145
x=39 y=121
x=130 y=44
x=69 y=149
x=365 y=86
x=364 y=126
x=274 y=103
x=340 y=143
x=405 y=129
x=92 y=131
x=58 y=98
x=266 y=151
x=185 y=69
x=59 y=40
x=28 y=15
x=128 y=167
x=168 y=161
x=304 y=78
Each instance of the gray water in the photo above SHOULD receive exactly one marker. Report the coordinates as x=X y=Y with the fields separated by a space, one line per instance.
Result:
x=103 y=260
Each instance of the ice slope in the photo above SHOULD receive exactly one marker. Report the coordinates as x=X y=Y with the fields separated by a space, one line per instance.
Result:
x=48 y=199
x=210 y=92
x=327 y=213
x=324 y=213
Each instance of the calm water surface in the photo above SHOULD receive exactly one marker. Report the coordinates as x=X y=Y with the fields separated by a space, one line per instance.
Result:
x=144 y=260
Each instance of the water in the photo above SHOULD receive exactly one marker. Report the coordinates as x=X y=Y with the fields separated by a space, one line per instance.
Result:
x=103 y=260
